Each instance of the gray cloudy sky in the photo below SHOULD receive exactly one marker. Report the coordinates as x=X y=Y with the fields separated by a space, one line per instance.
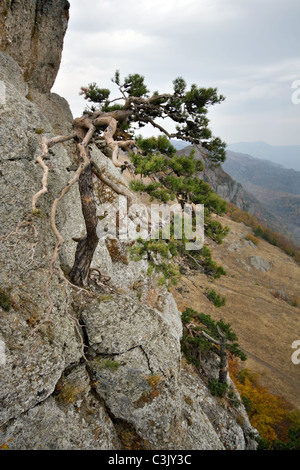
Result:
x=248 y=49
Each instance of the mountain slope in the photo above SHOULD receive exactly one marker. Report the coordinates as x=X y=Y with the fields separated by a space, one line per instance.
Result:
x=262 y=291
x=274 y=186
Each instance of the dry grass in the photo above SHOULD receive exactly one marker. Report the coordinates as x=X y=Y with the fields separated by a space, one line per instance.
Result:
x=266 y=325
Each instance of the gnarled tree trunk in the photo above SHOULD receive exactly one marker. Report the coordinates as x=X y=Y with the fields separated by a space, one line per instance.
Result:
x=87 y=245
x=223 y=361
x=223 y=367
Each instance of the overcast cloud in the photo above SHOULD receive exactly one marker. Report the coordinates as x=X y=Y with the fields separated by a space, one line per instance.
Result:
x=248 y=49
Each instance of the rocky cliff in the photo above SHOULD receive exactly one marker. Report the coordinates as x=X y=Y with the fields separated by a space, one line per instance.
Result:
x=32 y=33
x=103 y=369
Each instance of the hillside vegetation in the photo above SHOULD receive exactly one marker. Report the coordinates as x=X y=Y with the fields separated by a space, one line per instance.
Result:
x=271 y=236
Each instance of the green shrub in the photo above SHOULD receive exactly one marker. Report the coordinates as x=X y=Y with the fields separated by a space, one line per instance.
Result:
x=204 y=259
x=215 y=298
x=193 y=343
x=159 y=254
x=175 y=177
x=192 y=346
x=218 y=389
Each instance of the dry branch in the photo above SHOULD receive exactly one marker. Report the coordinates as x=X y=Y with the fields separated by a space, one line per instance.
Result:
x=117 y=188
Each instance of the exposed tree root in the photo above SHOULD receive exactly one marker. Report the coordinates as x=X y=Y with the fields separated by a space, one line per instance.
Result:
x=85 y=129
x=46 y=144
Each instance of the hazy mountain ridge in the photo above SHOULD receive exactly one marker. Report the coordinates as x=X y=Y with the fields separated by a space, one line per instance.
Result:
x=246 y=168
x=276 y=187
x=265 y=189
x=286 y=155
x=231 y=190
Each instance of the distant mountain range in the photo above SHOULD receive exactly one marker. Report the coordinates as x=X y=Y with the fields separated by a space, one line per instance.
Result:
x=247 y=169
x=276 y=187
x=288 y=155
x=264 y=189
x=232 y=191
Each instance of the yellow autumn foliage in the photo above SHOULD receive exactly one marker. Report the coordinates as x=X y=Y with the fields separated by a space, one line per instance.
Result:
x=265 y=410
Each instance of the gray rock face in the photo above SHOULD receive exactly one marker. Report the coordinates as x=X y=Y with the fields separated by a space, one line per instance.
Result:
x=34 y=362
x=103 y=369
x=27 y=29
x=73 y=421
x=260 y=263
x=225 y=187
x=144 y=389
x=211 y=426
